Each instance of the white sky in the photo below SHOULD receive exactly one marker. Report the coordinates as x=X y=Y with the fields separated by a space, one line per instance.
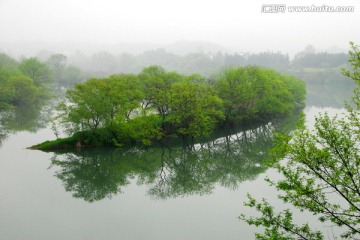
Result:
x=233 y=24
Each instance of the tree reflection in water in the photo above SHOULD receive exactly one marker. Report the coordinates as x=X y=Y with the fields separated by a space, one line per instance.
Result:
x=26 y=118
x=168 y=172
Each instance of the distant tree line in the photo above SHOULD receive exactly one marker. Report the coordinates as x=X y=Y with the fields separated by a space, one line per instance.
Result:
x=103 y=64
x=320 y=60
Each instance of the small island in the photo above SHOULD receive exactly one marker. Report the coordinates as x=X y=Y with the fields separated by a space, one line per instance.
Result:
x=144 y=108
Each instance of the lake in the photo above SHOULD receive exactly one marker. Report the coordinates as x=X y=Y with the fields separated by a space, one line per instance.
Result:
x=159 y=193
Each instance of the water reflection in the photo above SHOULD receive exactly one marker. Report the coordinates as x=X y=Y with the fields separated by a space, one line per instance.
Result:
x=168 y=172
x=26 y=118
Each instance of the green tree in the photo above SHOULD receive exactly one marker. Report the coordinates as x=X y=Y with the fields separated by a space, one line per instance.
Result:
x=195 y=107
x=39 y=72
x=273 y=97
x=140 y=129
x=6 y=62
x=22 y=90
x=24 y=83
x=8 y=68
x=235 y=89
x=321 y=174
x=101 y=102
x=156 y=84
x=5 y=94
x=258 y=93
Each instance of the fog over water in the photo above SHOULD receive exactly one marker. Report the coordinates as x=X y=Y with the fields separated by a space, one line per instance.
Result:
x=163 y=192
x=28 y=26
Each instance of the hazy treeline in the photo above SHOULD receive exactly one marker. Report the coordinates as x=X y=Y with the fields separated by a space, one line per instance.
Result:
x=104 y=63
x=31 y=80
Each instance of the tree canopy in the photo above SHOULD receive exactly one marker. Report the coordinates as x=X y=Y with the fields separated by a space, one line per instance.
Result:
x=257 y=93
x=39 y=72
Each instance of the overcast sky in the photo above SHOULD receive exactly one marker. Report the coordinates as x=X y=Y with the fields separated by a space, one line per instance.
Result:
x=233 y=24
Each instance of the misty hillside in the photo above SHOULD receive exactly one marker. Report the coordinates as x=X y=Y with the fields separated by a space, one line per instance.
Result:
x=31 y=48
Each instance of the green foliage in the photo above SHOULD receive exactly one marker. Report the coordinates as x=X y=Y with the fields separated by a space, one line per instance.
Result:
x=8 y=68
x=29 y=118
x=156 y=83
x=258 y=94
x=296 y=88
x=6 y=62
x=142 y=130
x=278 y=226
x=98 y=102
x=321 y=174
x=273 y=95
x=86 y=111
x=22 y=83
x=195 y=108
x=354 y=72
x=60 y=143
x=235 y=89
x=22 y=90
x=154 y=104
x=5 y=93
x=39 y=72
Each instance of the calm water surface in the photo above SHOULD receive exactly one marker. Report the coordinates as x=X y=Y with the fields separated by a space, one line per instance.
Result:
x=162 y=193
